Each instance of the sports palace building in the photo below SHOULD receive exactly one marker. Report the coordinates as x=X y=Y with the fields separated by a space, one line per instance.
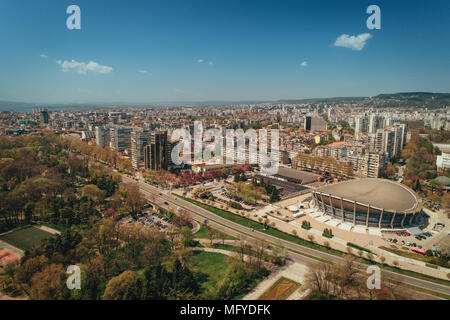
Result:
x=371 y=202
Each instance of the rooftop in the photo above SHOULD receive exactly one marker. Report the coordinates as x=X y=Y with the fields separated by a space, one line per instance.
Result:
x=379 y=193
x=305 y=177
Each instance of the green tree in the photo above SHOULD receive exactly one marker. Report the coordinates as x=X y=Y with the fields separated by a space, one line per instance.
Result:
x=93 y=193
x=186 y=236
x=126 y=286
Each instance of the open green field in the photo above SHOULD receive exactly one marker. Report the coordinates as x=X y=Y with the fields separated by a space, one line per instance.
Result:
x=26 y=238
x=212 y=267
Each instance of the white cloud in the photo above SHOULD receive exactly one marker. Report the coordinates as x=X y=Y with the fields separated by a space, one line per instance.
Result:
x=83 y=68
x=304 y=64
x=43 y=56
x=202 y=60
x=143 y=71
x=178 y=91
x=355 y=43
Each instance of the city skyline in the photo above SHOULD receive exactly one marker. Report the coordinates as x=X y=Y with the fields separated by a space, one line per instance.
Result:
x=175 y=51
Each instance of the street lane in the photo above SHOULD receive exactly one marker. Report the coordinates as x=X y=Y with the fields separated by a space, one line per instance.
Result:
x=159 y=197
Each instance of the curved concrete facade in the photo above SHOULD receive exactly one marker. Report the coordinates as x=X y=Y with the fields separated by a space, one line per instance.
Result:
x=370 y=202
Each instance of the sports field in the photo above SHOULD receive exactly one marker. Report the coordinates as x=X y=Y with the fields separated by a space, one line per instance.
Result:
x=26 y=238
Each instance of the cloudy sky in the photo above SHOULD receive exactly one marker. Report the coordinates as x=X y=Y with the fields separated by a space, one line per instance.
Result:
x=193 y=50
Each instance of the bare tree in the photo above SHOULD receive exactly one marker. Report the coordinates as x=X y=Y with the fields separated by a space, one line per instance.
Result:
x=391 y=286
x=259 y=248
x=278 y=253
x=317 y=278
x=346 y=277
x=222 y=236
x=241 y=248
x=212 y=234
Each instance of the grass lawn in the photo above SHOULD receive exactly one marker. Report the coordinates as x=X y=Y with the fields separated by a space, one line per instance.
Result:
x=211 y=268
x=26 y=238
x=202 y=233
x=280 y=290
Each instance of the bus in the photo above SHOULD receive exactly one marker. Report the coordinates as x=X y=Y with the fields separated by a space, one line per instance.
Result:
x=417 y=250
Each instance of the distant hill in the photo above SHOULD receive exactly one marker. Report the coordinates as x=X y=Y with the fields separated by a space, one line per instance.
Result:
x=15 y=106
x=323 y=100
x=414 y=96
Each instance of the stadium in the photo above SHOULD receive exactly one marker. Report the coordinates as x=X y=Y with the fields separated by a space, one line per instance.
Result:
x=371 y=202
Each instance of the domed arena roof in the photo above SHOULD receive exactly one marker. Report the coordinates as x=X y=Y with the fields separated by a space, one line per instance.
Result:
x=378 y=193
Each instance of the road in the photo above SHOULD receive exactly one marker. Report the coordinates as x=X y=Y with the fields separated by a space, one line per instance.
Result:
x=168 y=201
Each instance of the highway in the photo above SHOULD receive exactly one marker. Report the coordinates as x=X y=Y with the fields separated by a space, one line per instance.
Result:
x=296 y=252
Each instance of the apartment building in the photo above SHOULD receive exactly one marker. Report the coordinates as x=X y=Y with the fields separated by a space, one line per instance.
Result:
x=157 y=154
x=102 y=136
x=120 y=138
x=139 y=139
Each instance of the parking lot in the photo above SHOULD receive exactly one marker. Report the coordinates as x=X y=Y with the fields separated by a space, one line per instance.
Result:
x=151 y=220
x=404 y=238
x=424 y=240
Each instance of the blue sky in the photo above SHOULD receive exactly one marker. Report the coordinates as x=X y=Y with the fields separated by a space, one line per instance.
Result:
x=149 y=51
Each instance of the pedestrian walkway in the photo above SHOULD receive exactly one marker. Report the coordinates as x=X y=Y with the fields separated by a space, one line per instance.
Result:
x=293 y=271
x=195 y=226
